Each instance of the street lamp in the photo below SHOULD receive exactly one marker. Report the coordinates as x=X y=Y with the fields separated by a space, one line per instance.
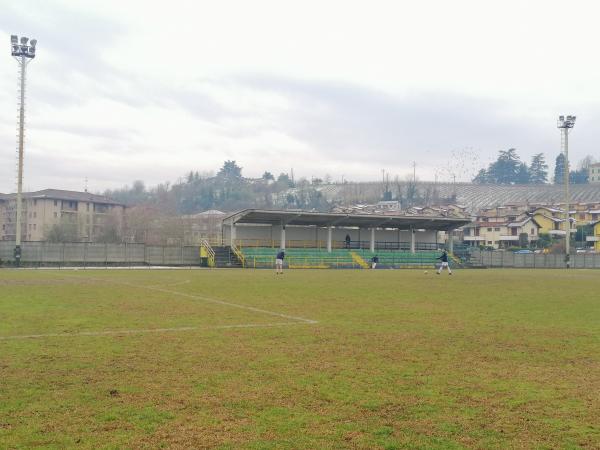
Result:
x=23 y=50
x=564 y=124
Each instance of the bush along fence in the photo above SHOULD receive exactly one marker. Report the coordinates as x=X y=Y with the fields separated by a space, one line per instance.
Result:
x=484 y=258
x=83 y=254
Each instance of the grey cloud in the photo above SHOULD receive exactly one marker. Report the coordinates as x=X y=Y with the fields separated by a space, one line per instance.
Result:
x=349 y=121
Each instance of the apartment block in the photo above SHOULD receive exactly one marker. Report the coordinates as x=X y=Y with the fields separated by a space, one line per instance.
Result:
x=81 y=216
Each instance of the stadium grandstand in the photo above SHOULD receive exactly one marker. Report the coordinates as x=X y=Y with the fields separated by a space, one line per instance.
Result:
x=472 y=196
x=251 y=237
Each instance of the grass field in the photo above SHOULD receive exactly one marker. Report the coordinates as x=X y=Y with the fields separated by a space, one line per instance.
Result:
x=312 y=359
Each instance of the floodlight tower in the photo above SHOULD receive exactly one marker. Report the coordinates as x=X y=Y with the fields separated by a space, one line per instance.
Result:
x=23 y=52
x=565 y=124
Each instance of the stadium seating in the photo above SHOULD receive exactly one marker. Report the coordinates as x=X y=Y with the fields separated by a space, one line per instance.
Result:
x=402 y=259
x=261 y=257
x=299 y=257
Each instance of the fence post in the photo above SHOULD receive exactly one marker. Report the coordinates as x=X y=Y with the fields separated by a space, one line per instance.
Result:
x=105 y=256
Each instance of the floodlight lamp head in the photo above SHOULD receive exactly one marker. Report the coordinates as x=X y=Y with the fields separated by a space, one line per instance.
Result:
x=33 y=42
x=14 y=39
x=24 y=40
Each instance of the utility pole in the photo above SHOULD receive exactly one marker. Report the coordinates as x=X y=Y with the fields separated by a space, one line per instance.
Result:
x=564 y=125
x=23 y=54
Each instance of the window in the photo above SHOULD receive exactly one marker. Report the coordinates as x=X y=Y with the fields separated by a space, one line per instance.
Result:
x=35 y=226
x=533 y=231
x=34 y=202
x=489 y=229
x=497 y=229
x=55 y=202
x=490 y=242
x=55 y=215
x=582 y=216
x=34 y=215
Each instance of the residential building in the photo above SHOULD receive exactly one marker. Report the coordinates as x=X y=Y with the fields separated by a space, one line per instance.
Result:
x=205 y=225
x=501 y=232
x=77 y=216
x=595 y=238
x=594 y=173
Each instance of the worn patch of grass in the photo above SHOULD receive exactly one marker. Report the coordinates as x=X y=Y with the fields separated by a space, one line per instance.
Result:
x=397 y=360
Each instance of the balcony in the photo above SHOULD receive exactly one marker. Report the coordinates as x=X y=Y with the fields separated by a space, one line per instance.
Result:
x=509 y=237
x=592 y=238
x=473 y=238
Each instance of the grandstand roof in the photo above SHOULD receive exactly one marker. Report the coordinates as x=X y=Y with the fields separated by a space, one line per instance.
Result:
x=308 y=218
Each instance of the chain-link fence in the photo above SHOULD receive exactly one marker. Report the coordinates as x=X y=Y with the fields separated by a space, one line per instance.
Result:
x=479 y=258
x=91 y=254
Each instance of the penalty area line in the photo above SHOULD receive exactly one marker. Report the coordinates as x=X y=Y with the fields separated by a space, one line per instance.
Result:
x=210 y=300
x=147 y=330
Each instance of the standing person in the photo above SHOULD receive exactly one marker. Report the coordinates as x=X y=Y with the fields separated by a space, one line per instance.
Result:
x=279 y=262
x=348 y=241
x=444 y=264
x=374 y=261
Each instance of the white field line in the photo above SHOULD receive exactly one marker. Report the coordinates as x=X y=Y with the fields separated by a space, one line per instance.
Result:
x=170 y=284
x=147 y=330
x=208 y=300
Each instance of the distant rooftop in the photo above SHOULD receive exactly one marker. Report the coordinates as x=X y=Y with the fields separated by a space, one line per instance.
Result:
x=58 y=194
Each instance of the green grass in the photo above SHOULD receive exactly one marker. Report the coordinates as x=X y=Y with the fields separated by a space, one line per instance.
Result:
x=398 y=359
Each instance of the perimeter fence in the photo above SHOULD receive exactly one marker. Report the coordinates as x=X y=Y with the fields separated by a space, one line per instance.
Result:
x=479 y=258
x=40 y=254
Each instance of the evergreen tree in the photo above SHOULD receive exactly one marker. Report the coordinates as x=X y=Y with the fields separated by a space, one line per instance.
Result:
x=230 y=171
x=481 y=177
x=505 y=169
x=268 y=176
x=523 y=176
x=538 y=170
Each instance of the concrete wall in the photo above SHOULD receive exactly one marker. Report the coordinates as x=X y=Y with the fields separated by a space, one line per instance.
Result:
x=90 y=254
x=533 y=260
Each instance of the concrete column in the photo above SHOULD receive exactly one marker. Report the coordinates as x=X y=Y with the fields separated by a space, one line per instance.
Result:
x=329 y=233
x=412 y=241
x=450 y=242
x=372 y=240
x=232 y=234
x=282 y=246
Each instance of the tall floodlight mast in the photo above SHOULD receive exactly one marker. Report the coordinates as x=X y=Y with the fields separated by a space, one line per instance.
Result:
x=23 y=51
x=565 y=124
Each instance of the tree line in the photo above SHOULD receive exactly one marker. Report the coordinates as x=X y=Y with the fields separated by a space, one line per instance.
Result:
x=228 y=190
x=509 y=169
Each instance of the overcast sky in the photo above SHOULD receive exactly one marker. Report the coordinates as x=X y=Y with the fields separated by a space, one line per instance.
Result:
x=124 y=90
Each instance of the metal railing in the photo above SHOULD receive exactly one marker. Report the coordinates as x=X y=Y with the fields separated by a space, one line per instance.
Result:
x=209 y=252
x=293 y=262
x=321 y=244
x=240 y=256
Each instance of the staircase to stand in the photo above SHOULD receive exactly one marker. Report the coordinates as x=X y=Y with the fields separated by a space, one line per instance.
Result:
x=224 y=257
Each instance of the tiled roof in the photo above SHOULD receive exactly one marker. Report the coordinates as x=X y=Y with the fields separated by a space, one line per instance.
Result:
x=58 y=194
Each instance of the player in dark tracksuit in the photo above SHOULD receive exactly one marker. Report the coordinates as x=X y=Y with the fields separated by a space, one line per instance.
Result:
x=279 y=262
x=444 y=264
